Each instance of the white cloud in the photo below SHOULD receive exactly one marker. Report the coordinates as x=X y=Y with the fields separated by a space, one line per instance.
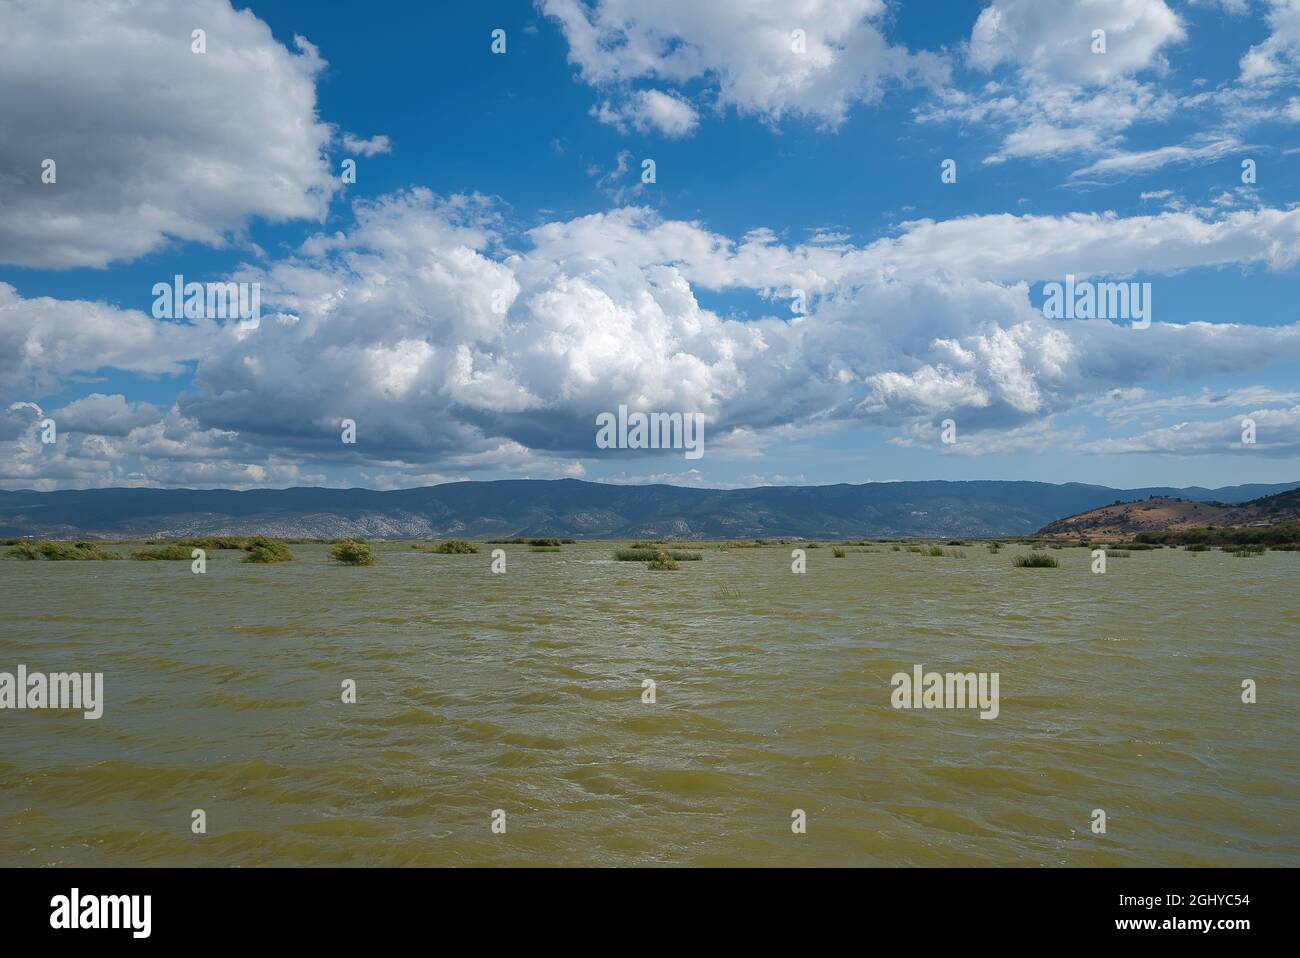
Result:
x=107 y=441
x=1055 y=40
x=1048 y=118
x=1202 y=149
x=102 y=415
x=611 y=182
x=1036 y=436
x=456 y=353
x=362 y=147
x=1277 y=433
x=396 y=329
x=1061 y=98
x=1277 y=58
x=151 y=140
x=45 y=340
x=647 y=110
x=744 y=51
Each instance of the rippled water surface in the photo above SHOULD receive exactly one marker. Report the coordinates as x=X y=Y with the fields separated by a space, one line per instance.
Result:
x=522 y=692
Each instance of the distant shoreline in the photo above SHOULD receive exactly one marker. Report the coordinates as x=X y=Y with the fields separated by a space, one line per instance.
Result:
x=571 y=508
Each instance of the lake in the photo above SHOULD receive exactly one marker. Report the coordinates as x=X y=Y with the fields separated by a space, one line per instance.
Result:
x=480 y=693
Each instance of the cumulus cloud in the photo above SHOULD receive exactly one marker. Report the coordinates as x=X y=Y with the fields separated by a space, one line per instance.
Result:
x=44 y=340
x=1057 y=97
x=109 y=441
x=103 y=415
x=745 y=51
x=458 y=346
x=444 y=345
x=1055 y=40
x=648 y=110
x=150 y=140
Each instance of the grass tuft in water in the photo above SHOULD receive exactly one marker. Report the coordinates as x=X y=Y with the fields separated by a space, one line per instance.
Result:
x=1035 y=560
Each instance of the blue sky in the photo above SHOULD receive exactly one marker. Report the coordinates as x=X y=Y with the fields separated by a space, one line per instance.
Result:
x=775 y=170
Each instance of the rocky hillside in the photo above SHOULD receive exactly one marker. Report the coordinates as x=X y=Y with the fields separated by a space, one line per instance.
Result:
x=1124 y=520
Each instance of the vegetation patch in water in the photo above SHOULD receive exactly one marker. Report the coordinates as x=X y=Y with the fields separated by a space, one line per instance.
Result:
x=60 y=551
x=662 y=562
x=213 y=542
x=24 y=549
x=649 y=555
x=352 y=552
x=172 y=552
x=454 y=547
x=262 y=549
x=1281 y=533
x=1035 y=560
x=1244 y=551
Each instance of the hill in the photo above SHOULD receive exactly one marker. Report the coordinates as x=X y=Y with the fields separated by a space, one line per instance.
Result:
x=1127 y=520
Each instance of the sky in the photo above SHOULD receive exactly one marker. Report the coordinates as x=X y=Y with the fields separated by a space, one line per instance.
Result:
x=842 y=263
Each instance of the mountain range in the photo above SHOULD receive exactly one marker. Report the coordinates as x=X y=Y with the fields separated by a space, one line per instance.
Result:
x=579 y=509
